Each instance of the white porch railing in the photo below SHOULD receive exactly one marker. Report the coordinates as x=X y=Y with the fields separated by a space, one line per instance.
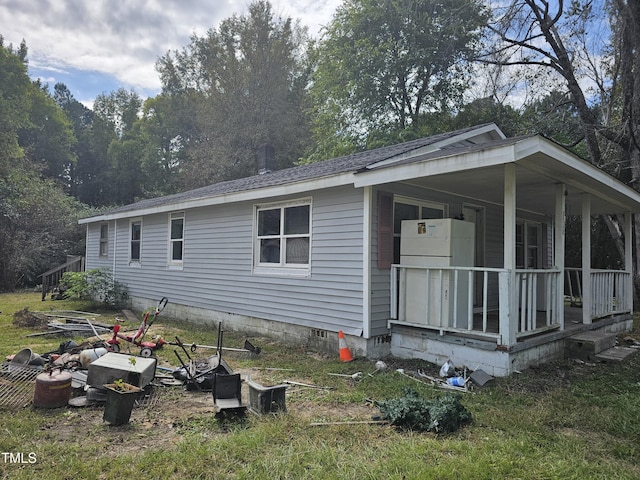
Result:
x=538 y=304
x=610 y=293
x=475 y=300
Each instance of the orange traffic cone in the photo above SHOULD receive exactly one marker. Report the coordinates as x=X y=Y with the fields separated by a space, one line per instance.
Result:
x=345 y=354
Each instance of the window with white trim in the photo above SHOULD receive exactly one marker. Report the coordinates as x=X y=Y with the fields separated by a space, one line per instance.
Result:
x=176 y=238
x=283 y=237
x=104 y=239
x=135 y=245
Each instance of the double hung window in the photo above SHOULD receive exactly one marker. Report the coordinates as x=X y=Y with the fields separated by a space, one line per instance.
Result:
x=176 y=238
x=104 y=239
x=135 y=246
x=283 y=237
x=528 y=241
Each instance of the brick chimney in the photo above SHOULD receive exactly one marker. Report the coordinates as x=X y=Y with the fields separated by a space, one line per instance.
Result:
x=265 y=159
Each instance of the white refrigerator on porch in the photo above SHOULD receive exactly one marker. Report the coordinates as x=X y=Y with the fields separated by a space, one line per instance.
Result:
x=430 y=297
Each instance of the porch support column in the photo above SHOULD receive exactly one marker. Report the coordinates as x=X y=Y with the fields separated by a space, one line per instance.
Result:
x=586 y=259
x=628 y=260
x=508 y=300
x=558 y=251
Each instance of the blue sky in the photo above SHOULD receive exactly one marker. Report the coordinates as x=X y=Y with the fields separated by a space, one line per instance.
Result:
x=98 y=46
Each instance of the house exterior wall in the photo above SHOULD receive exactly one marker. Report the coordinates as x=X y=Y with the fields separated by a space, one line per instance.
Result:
x=217 y=273
x=217 y=283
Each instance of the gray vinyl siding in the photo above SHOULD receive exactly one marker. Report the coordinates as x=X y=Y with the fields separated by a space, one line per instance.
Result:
x=217 y=272
x=93 y=257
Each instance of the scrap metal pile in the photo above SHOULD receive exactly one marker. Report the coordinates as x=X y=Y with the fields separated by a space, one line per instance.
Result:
x=84 y=374
x=98 y=372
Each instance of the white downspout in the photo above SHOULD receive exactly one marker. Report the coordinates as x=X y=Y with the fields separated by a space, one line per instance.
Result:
x=366 y=263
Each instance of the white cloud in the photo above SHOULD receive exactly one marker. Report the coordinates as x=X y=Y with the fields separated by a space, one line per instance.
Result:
x=123 y=38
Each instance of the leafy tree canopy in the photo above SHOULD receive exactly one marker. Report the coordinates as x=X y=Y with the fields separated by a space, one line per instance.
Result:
x=38 y=220
x=382 y=65
x=248 y=81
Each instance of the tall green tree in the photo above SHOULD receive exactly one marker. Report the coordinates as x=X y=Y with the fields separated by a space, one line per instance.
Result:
x=554 y=116
x=113 y=174
x=489 y=110
x=81 y=119
x=49 y=139
x=248 y=77
x=37 y=219
x=597 y=64
x=14 y=101
x=166 y=128
x=384 y=65
x=119 y=109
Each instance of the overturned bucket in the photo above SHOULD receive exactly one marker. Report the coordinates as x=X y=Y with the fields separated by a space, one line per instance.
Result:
x=89 y=355
x=25 y=358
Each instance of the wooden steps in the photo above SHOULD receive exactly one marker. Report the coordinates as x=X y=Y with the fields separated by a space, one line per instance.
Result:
x=596 y=346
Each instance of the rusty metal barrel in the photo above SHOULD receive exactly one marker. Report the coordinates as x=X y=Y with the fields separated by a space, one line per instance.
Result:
x=53 y=389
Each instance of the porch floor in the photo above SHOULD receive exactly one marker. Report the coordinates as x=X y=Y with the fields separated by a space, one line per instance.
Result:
x=572 y=325
x=572 y=320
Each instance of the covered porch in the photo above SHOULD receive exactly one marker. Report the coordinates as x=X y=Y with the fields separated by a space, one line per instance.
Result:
x=536 y=310
x=499 y=314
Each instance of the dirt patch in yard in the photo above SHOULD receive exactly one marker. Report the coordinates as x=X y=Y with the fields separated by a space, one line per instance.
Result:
x=170 y=413
x=26 y=319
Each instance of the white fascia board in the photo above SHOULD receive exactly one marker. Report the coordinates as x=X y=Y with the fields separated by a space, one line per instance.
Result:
x=491 y=128
x=535 y=145
x=454 y=162
x=244 y=195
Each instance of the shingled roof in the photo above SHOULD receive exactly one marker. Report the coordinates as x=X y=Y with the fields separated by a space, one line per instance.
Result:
x=327 y=168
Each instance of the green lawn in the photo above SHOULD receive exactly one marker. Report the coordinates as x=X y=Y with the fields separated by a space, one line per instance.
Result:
x=565 y=420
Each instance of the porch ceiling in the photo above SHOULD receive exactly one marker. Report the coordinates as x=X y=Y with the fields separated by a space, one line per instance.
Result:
x=534 y=192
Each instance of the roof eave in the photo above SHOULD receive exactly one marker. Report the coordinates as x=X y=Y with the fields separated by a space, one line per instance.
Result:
x=292 y=188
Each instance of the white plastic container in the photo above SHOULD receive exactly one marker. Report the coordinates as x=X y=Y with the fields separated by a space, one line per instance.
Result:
x=91 y=354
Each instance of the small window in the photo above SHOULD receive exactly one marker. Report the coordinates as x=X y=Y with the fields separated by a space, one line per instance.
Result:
x=176 y=238
x=283 y=237
x=136 y=241
x=104 y=239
